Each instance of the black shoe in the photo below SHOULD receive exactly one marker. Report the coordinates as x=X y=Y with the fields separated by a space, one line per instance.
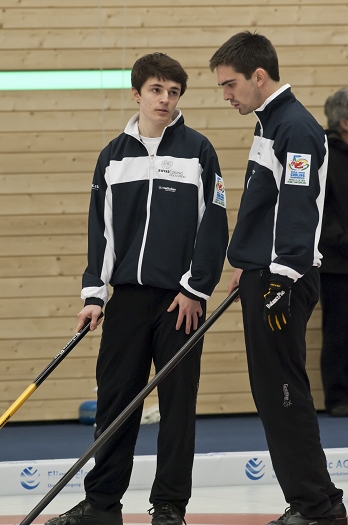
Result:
x=166 y=514
x=85 y=514
x=292 y=517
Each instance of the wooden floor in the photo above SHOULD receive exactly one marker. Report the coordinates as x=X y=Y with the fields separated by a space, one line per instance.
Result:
x=191 y=519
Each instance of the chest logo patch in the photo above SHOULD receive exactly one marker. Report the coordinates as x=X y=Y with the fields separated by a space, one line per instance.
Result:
x=166 y=164
x=298 y=167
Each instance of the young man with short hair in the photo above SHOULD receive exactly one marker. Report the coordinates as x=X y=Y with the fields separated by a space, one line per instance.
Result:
x=274 y=250
x=157 y=234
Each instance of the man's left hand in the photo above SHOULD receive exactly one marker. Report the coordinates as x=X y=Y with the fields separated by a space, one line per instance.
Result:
x=188 y=308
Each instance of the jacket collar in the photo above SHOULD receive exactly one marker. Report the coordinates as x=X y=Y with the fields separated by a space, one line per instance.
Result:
x=279 y=96
x=132 y=125
x=335 y=140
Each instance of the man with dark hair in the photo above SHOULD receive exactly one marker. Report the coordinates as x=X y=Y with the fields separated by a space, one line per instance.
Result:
x=157 y=234
x=160 y=66
x=276 y=259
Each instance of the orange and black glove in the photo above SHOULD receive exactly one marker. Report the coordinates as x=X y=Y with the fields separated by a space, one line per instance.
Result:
x=277 y=306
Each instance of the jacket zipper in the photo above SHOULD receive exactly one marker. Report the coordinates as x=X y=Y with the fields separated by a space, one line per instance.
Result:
x=148 y=205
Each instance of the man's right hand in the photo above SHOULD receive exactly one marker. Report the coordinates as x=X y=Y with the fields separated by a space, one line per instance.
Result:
x=234 y=282
x=91 y=312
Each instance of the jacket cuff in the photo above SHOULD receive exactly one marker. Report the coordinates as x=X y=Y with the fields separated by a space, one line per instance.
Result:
x=190 y=295
x=94 y=300
x=276 y=278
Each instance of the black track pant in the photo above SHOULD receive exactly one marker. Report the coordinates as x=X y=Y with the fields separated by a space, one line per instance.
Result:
x=282 y=395
x=138 y=329
x=334 y=356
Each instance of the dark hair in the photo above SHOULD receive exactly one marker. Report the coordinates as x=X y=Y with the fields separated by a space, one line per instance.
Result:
x=245 y=52
x=336 y=108
x=160 y=66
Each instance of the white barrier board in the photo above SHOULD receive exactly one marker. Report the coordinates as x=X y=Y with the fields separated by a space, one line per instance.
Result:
x=220 y=469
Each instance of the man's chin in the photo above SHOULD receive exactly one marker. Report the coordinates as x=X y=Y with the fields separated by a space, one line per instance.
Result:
x=244 y=111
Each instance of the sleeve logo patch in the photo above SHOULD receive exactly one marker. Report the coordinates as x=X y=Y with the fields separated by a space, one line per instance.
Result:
x=298 y=167
x=219 y=192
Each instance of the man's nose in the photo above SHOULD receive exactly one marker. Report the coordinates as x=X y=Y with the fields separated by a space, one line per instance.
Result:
x=226 y=94
x=165 y=96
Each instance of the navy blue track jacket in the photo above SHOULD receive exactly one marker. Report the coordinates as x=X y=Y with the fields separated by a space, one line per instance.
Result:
x=334 y=234
x=156 y=220
x=280 y=215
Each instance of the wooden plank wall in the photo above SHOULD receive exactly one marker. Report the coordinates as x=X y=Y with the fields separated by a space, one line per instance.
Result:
x=49 y=142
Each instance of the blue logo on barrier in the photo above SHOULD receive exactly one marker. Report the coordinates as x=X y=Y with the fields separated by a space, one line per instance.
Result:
x=30 y=478
x=254 y=468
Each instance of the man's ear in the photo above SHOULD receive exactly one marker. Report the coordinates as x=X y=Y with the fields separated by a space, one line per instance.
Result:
x=260 y=76
x=344 y=124
x=136 y=95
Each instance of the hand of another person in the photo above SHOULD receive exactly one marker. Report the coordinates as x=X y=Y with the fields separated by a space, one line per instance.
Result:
x=277 y=306
x=91 y=312
x=188 y=308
